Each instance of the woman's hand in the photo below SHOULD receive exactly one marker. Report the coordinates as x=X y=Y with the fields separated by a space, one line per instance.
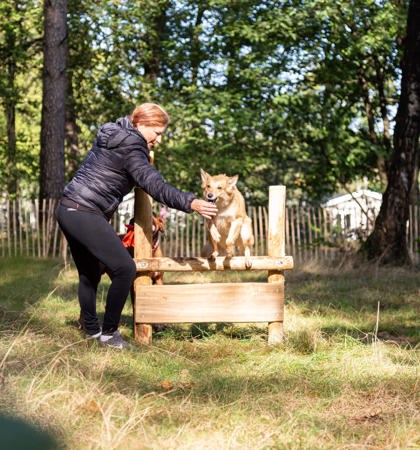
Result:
x=206 y=209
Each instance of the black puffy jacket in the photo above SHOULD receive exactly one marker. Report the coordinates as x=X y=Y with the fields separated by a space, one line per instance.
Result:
x=118 y=161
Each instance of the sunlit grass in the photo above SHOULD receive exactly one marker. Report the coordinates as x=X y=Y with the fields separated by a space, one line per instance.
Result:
x=332 y=384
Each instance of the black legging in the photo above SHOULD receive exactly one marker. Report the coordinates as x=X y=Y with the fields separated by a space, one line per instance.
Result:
x=93 y=241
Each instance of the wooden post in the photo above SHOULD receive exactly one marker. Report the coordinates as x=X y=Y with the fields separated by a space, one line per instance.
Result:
x=276 y=247
x=142 y=249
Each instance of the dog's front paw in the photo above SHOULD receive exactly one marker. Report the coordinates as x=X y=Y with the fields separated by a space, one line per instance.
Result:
x=213 y=256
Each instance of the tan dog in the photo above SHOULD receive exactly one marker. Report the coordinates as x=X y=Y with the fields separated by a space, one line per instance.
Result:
x=231 y=227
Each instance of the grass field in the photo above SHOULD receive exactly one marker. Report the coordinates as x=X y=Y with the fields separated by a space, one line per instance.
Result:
x=335 y=383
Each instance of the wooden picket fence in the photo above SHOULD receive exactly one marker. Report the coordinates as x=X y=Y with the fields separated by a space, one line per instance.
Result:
x=29 y=228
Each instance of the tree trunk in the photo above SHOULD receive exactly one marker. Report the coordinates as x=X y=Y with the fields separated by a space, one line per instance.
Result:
x=387 y=243
x=72 y=150
x=196 y=52
x=153 y=38
x=52 y=172
x=10 y=100
x=10 y=106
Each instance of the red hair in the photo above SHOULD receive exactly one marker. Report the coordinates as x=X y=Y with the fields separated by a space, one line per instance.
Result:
x=150 y=115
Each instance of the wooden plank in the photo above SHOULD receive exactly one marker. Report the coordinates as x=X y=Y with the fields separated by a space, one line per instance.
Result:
x=265 y=230
x=325 y=236
x=176 y=251
x=15 y=236
x=2 y=238
x=254 y=223
x=27 y=224
x=171 y=234
x=299 y=228
x=184 y=264
x=52 y=224
x=292 y=229
x=54 y=250
x=9 y=242
x=287 y=230
x=410 y=234
x=37 y=231
x=49 y=219
x=310 y=239
x=33 y=234
x=193 y=239
x=142 y=249
x=276 y=248
x=214 y=302
x=276 y=221
x=316 y=231
x=260 y=231
x=187 y=240
x=201 y=233
x=21 y=225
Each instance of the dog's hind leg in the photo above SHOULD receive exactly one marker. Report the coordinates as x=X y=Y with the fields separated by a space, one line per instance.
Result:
x=248 y=240
x=233 y=235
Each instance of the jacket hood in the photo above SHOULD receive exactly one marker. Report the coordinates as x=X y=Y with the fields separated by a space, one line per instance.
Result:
x=114 y=134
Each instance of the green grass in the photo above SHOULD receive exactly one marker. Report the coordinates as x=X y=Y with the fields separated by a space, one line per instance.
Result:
x=332 y=384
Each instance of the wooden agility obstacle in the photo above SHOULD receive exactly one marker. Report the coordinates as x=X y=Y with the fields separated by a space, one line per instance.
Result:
x=210 y=302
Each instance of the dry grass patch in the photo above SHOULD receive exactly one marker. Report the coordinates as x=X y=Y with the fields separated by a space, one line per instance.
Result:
x=332 y=384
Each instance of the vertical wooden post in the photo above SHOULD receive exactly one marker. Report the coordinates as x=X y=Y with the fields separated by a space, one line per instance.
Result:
x=142 y=249
x=15 y=235
x=276 y=247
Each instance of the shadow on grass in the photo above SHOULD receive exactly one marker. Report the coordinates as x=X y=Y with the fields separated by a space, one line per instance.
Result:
x=350 y=296
x=235 y=377
x=354 y=296
x=26 y=280
x=219 y=373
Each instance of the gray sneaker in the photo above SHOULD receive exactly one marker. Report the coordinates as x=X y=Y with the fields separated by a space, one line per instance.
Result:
x=116 y=341
x=93 y=337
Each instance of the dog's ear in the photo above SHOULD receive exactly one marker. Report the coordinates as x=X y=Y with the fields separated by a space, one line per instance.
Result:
x=204 y=177
x=233 y=180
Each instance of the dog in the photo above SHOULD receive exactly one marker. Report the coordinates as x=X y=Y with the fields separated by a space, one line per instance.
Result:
x=158 y=229
x=231 y=227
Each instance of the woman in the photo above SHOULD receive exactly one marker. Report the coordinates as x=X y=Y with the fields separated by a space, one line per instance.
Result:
x=118 y=161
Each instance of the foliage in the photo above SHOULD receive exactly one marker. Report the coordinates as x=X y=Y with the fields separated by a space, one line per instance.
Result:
x=20 y=45
x=299 y=92
x=388 y=242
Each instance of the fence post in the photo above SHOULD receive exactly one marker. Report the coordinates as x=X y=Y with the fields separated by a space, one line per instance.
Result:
x=276 y=247
x=142 y=249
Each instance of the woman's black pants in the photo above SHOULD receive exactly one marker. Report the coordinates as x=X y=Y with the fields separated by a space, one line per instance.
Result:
x=93 y=245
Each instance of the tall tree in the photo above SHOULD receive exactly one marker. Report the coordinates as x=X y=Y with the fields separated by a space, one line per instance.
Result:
x=19 y=43
x=333 y=117
x=297 y=92
x=387 y=243
x=52 y=173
